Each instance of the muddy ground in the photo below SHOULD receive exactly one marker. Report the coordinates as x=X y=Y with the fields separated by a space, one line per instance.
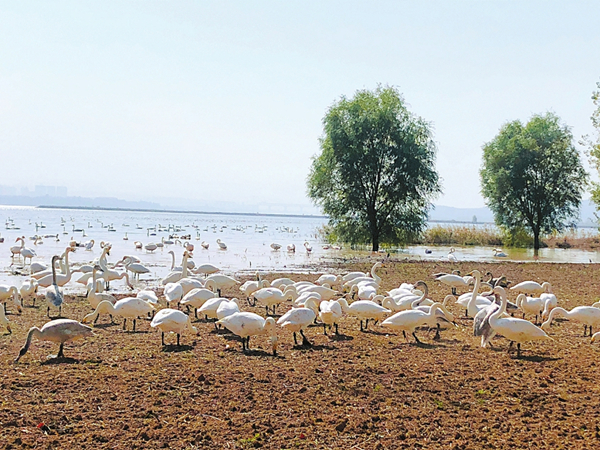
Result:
x=371 y=390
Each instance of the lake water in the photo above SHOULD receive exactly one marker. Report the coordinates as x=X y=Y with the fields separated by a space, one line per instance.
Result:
x=248 y=238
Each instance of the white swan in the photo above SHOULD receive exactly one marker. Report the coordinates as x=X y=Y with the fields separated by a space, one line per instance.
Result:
x=4 y=320
x=297 y=319
x=204 y=245
x=196 y=298
x=60 y=279
x=271 y=297
x=364 y=309
x=331 y=280
x=228 y=308
x=127 y=308
x=476 y=303
x=135 y=268
x=308 y=247
x=59 y=331
x=222 y=281
x=222 y=245
x=173 y=293
x=95 y=297
x=275 y=246
x=28 y=290
x=209 y=309
x=291 y=248
x=530 y=305
x=373 y=278
x=499 y=253
x=453 y=281
x=16 y=249
x=587 y=315
x=531 y=287
x=246 y=324
x=172 y=321
x=90 y=244
x=411 y=319
x=451 y=256
x=206 y=269
x=150 y=247
x=7 y=292
x=513 y=329
x=330 y=313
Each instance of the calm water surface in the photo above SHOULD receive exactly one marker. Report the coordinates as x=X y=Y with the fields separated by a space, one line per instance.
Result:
x=248 y=238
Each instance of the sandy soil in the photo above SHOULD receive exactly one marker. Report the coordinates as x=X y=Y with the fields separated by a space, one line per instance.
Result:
x=372 y=390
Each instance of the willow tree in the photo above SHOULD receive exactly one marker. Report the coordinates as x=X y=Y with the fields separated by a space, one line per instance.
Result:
x=593 y=142
x=375 y=176
x=532 y=176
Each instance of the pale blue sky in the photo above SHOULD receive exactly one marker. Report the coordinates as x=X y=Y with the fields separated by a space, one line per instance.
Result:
x=224 y=100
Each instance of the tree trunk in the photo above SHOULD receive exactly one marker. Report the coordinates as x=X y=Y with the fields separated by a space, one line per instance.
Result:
x=375 y=239
x=536 y=241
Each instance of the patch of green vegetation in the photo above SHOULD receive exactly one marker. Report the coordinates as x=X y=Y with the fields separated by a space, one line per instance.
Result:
x=377 y=388
x=439 y=404
x=250 y=442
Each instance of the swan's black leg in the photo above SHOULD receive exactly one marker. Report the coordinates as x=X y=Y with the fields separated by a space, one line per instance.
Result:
x=416 y=338
x=324 y=329
x=60 y=351
x=405 y=337
x=178 y=340
x=336 y=329
x=305 y=341
x=295 y=339
x=124 y=323
x=133 y=324
x=96 y=319
x=162 y=337
x=437 y=336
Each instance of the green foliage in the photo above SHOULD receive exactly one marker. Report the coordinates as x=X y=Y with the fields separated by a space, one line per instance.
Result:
x=517 y=237
x=375 y=176
x=593 y=143
x=532 y=176
x=461 y=235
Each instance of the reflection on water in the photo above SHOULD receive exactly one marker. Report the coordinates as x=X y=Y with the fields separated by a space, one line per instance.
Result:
x=248 y=238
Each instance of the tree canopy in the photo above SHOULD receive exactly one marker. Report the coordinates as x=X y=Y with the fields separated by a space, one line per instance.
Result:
x=532 y=176
x=375 y=176
x=594 y=143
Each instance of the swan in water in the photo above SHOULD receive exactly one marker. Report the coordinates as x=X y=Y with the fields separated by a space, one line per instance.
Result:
x=308 y=247
x=589 y=316
x=451 y=256
x=297 y=319
x=246 y=324
x=222 y=245
x=513 y=329
x=204 y=245
x=411 y=319
x=499 y=253
x=172 y=321
x=150 y=247
x=4 y=320
x=60 y=279
x=275 y=246
x=16 y=249
x=129 y=307
x=89 y=245
x=59 y=331
x=53 y=294
x=291 y=248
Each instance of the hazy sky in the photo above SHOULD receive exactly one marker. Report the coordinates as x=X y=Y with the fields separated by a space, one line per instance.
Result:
x=224 y=100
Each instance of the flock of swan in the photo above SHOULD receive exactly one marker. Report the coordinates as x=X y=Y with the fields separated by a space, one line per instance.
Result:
x=195 y=289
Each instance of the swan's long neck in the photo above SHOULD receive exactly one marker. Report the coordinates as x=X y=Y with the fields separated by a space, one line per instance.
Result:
x=35 y=331
x=556 y=312
x=172 y=259
x=374 y=275
x=67 y=268
x=104 y=307
x=344 y=304
x=93 y=289
x=184 y=269
x=53 y=272
x=502 y=308
x=477 y=277
x=448 y=298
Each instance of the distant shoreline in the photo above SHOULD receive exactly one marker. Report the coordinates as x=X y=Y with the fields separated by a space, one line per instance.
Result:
x=102 y=208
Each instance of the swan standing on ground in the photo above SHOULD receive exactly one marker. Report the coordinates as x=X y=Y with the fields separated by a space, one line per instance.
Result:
x=513 y=329
x=172 y=321
x=127 y=308
x=16 y=249
x=53 y=294
x=59 y=331
x=4 y=320
x=29 y=290
x=453 y=281
x=246 y=324
x=296 y=319
x=7 y=292
x=364 y=309
x=330 y=312
x=531 y=287
x=589 y=316
x=530 y=305
x=95 y=297
x=272 y=297
x=411 y=319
